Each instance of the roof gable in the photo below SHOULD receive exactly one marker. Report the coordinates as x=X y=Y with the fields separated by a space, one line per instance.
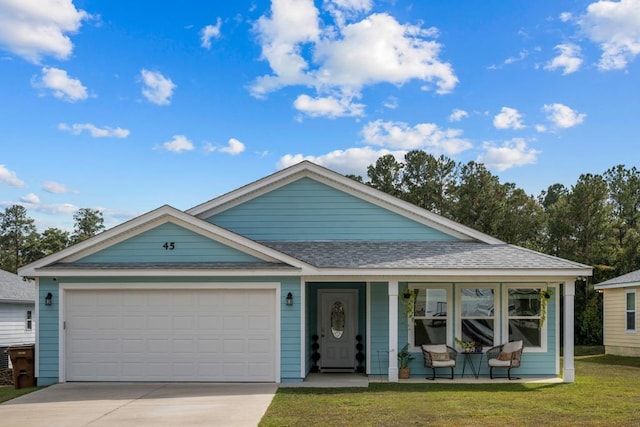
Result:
x=309 y=210
x=168 y=243
x=343 y=184
x=154 y=228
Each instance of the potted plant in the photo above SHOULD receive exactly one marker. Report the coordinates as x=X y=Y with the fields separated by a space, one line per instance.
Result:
x=404 y=357
x=467 y=346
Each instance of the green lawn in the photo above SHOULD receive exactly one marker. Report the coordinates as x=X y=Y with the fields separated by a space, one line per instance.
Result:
x=9 y=392
x=606 y=393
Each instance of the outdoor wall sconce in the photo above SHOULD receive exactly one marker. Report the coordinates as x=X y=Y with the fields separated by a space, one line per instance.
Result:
x=48 y=300
x=289 y=298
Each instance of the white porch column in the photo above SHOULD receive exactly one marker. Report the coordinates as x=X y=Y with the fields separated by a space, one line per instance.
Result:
x=393 y=331
x=569 y=296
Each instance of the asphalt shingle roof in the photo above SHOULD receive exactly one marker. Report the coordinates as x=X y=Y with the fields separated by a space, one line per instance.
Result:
x=633 y=277
x=13 y=288
x=432 y=255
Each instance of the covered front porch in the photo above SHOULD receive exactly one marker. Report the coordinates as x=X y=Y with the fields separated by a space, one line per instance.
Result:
x=370 y=316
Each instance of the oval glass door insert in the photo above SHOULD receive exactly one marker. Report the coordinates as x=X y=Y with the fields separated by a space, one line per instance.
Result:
x=337 y=319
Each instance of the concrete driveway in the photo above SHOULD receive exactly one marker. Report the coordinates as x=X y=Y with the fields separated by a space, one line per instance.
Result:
x=140 y=404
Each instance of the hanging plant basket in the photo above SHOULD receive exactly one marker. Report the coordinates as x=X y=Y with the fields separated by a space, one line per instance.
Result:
x=409 y=302
x=544 y=296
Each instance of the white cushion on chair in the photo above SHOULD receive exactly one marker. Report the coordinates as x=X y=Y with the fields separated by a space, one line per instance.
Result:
x=435 y=348
x=499 y=363
x=443 y=363
x=510 y=347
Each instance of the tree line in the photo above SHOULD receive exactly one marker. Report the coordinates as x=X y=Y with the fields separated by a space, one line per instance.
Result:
x=21 y=243
x=596 y=221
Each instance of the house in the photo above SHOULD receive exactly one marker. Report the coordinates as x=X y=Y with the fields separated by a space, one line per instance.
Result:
x=620 y=305
x=303 y=270
x=17 y=313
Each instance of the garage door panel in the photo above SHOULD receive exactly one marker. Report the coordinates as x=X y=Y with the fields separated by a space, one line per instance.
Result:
x=170 y=335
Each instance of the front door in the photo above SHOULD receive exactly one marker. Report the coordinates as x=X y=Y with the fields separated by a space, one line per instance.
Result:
x=337 y=319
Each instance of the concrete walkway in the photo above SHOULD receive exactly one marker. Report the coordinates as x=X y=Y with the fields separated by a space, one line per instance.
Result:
x=140 y=404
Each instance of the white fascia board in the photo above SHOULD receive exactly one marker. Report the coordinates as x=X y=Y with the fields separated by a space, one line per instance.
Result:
x=617 y=286
x=160 y=272
x=342 y=183
x=153 y=219
x=449 y=274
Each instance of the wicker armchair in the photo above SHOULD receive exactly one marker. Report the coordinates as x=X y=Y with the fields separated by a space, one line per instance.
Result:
x=506 y=355
x=439 y=356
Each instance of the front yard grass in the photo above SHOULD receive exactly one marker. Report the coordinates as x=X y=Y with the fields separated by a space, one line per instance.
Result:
x=606 y=392
x=8 y=392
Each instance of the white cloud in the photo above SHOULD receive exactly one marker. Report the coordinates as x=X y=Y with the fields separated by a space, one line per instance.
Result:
x=615 y=26
x=210 y=32
x=343 y=58
x=350 y=161
x=36 y=28
x=62 y=86
x=566 y=16
x=457 y=115
x=178 y=144
x=56 y=188
x=30 y=198
x=562 y=116
x=541 y=128
x=9 y=177
x=158 y=89
x=94 y=131
x=328 y=106
x=391 y=103
x=427 y=136
x=233 y=147
x=521 y=56
x=511 y=154
x=508 y=118
x=569 y=59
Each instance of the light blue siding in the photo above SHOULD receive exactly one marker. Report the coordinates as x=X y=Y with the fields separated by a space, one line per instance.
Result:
x=187 y=247
x=379 y=329
x=48 y=331
x=309 y=210
x=291 y=332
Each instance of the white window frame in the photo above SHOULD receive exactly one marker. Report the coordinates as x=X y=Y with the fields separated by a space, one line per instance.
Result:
x=505 y=313
x=28 y=323
x=634 y=310
x=496 y=309
x=448 y=288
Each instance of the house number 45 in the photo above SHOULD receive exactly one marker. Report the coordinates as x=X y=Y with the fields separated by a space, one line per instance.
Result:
x=169 y=246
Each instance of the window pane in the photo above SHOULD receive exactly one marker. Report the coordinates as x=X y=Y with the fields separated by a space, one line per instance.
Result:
x=477 y=302
x=431 y=302
x=631 y=321
x=430 y=331
x=479 y=331
x=526 y=330
x=337 y=319
x=631 y=301
x=524 y=302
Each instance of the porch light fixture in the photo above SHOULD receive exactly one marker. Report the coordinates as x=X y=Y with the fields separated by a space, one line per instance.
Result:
x=48 y=300
x=289 y=298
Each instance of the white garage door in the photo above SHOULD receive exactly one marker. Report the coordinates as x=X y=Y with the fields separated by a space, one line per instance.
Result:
x=170 y=335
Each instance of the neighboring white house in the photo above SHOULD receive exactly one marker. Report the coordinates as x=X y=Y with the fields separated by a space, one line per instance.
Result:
x=17 y=313
x=620 y=316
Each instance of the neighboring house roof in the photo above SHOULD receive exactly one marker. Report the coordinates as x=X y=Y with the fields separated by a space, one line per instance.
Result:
x=629 y=279
x=14 y=289
x=423 y=255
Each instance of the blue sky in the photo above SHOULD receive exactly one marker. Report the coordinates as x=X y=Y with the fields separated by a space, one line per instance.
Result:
x=125 y=106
